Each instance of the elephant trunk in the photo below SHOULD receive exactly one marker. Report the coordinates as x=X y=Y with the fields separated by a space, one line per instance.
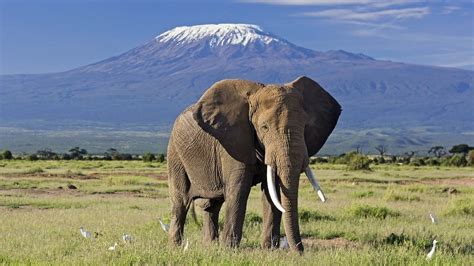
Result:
x=289 y=161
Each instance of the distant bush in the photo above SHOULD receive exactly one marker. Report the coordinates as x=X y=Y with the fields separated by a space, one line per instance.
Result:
x=470 y=158
x=31 y=157
x=358 y=161
x=6 y=155
x=148 y=157
x=315 y=160
x=253 y=218
x=417 y=161
x=366 y=211
x=432 y=162
x=160 y=158
x=457 y=160
x=65 y=156
x=126 y=157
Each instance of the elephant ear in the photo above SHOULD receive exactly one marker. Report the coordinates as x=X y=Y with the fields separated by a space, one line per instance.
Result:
x=223 y=112
x=323 y=111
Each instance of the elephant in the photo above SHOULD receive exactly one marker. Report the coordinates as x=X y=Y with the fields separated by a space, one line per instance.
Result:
x=237 y=133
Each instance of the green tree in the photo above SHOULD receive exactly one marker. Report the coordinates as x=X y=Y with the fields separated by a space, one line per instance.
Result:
x=437 y=151
x=148 y=157
x=6 y=155
x=160 y=157
x=77 y=153
x=458 y=160
x=32 y=157
x=461 y=148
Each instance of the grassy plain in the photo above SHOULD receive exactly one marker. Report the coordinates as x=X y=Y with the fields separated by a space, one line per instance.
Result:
x=372 y=217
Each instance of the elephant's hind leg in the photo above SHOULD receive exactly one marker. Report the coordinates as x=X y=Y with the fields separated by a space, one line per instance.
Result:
x=210 y=223
x=178 y=187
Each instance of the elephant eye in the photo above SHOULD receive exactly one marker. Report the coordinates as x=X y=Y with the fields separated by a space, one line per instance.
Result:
x=264 y=127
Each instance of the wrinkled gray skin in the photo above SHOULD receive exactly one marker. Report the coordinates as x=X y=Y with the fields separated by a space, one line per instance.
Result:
x=220 y=146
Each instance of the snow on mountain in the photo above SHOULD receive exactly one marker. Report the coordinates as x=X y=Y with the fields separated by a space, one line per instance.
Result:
x=218 y=35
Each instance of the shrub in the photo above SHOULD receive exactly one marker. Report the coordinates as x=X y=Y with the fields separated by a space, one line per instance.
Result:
x=253 y=218
x=148 y=157
x=160 y=157
x=432 y=162
x=417 y=161
x=6 y=155
x=65 y=156
x=366 y=211
x=470 y=158
x=308 y=216
x=458 y=160
x=358 y=162
x=32 y=157
x=126 y=157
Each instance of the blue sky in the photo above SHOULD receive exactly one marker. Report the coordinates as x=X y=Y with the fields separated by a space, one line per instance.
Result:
x=49 y=36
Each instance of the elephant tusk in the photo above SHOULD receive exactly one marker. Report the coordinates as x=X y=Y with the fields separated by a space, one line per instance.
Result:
x=272 y=189
x=315 y=184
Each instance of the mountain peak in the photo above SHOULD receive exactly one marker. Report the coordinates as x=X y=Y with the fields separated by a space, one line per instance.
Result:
x=218 y=35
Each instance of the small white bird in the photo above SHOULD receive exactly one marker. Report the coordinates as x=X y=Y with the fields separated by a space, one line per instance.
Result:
x=433 y=218
x=112 y=248
x=186 y=246
x=164 y=226
x=284 y=243
x=127 y=238
x=432 y=251
x=85 y=233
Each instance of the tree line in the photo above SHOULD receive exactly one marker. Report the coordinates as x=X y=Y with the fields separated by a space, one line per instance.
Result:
x=77 y=153
x=459 y=155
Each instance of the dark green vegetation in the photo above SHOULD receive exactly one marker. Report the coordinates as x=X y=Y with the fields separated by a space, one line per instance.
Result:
x=379 y=216
x=136 y=140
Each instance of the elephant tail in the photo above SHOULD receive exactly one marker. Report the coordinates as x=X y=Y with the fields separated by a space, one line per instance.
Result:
x=192 y=212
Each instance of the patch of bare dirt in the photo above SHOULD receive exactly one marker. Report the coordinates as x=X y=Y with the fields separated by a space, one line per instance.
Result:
x=450 y=181
x=49 y=175
x=160 y=176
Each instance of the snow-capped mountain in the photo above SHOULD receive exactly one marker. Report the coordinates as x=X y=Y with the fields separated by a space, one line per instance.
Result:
x=152 y=83
x=218 y=35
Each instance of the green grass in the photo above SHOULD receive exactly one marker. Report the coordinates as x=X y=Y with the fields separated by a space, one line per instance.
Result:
x=371 y=217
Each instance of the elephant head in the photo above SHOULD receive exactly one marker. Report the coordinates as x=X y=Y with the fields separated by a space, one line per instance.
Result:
x=289 y=122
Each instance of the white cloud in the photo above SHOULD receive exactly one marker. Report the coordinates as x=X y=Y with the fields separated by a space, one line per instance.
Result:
x=450 y=9
x=350 y=15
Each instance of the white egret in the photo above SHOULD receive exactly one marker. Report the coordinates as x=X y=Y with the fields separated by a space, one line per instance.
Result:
x=85 y=233
x=186 y=246
x=164 y=226
x=126 y=238
x=432 y=251
x=112 y=248
x=433 y=218
x=284 y=243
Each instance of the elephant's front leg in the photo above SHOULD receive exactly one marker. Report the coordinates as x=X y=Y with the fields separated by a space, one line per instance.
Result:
x=237 y=193
x=271 y=220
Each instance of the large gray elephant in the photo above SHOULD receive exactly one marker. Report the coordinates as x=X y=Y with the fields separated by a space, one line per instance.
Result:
x=237 y=134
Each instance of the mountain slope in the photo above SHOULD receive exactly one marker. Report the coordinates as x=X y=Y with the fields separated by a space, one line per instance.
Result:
x=152 y=83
